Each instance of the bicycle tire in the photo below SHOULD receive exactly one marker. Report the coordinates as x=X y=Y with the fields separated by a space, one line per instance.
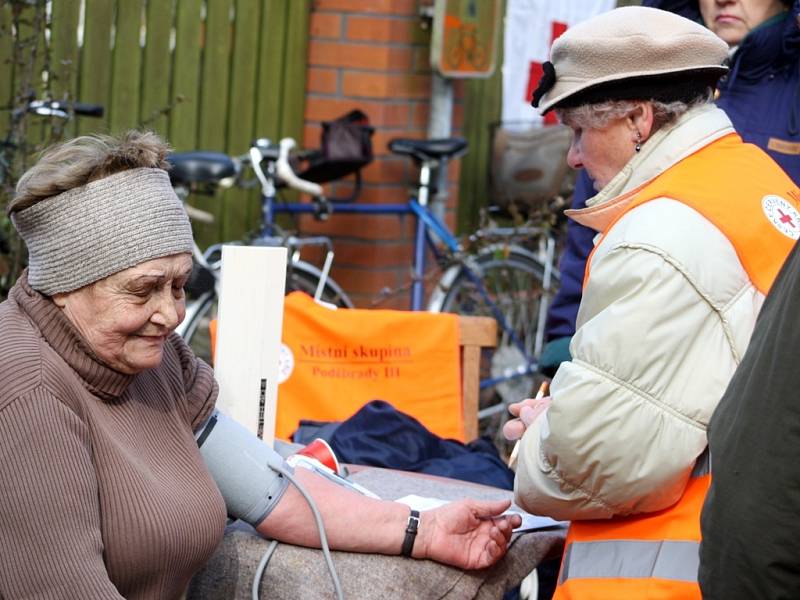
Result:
x=302 y=277
x=513 y=277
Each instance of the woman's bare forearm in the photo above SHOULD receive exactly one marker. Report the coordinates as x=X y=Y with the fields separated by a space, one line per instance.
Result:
x=352 y=521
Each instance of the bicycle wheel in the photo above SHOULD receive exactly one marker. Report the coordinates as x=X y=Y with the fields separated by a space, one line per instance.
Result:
x=303 y=277
x=195 y=329
x=454 y=53
x=509 y=281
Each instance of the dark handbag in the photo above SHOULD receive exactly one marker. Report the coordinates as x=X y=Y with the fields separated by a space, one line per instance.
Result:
x=346 y=149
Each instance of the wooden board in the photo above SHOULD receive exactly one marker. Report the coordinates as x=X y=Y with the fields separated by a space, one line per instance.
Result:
x=250 y=319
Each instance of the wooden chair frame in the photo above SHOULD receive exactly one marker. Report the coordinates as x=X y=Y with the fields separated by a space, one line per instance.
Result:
x=475 y=333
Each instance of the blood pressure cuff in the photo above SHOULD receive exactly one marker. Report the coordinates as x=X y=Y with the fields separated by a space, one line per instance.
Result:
x=243 y=468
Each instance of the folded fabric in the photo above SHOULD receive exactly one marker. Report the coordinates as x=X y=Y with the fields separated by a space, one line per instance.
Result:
x=379 y=435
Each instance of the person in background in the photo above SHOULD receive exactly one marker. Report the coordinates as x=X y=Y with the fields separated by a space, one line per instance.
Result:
x=750 y=521
x=118 y=472
x=693 y=227
x=761 y=96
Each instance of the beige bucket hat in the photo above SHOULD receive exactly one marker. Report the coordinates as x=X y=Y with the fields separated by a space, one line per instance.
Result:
x=633 y=52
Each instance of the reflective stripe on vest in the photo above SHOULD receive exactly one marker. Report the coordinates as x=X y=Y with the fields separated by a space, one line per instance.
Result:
x=631 y=559
x=655 y=555
x=676 y=560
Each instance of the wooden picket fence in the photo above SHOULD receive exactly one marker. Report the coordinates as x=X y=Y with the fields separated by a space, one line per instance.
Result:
x=206 y=74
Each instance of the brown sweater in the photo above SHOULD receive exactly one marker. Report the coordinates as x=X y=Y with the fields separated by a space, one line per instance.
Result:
x=104 y=493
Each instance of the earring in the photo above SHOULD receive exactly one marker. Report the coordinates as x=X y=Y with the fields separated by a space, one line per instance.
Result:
x=638 y=146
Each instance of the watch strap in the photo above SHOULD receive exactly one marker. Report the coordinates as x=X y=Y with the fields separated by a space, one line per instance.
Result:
x=411 y=533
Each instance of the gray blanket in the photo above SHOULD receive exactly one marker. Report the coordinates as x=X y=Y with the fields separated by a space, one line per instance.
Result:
x=296 y=572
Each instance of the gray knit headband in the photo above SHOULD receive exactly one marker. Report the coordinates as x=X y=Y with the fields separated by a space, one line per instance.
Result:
x=88 y=233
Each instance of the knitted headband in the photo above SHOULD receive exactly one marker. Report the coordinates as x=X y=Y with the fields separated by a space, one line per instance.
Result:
x=88 y=233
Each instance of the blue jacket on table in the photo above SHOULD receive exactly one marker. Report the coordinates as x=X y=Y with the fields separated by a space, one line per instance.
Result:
x=760 y=94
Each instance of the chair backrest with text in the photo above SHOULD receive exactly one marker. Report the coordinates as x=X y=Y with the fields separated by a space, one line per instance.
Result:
x=335 y=361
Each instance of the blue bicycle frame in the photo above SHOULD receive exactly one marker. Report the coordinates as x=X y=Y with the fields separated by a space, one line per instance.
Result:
x=425 y=222
x=427 y=227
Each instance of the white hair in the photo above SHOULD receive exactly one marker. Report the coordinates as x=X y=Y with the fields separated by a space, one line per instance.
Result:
x=599 y=115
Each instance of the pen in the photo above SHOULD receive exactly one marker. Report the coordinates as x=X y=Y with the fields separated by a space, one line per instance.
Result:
x=543 y=391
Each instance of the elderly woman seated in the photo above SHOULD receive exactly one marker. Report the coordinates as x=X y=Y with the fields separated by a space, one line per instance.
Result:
x=694 y=226
x=118 y=471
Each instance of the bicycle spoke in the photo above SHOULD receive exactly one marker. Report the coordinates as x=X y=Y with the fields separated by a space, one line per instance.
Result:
x=507 y=284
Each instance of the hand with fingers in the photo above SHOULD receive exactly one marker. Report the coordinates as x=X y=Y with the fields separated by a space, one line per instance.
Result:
x=525 y=413
x=469 y=534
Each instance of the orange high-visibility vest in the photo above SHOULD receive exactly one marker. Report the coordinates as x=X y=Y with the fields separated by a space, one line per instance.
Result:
x=656 y=555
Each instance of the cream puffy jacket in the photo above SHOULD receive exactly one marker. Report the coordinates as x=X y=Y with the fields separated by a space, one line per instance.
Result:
x=667 y=313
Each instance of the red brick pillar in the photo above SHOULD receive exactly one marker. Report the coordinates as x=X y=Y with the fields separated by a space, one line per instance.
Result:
x=372 y=55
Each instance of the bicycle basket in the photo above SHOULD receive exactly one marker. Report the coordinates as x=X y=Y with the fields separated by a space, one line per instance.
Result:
x=529 y=165
x=346 y=149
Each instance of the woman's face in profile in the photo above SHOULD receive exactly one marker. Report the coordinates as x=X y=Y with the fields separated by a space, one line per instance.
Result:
x=603 y=152
x=126 y=317
x=732 y=20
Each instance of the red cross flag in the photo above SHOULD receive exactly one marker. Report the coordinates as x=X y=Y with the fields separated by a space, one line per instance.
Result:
x=531 y=26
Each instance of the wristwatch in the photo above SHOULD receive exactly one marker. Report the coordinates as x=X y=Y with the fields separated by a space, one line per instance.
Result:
x=411 y=533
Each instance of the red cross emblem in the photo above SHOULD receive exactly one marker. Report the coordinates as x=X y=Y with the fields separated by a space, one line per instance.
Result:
x=785 y=218
x=535 y=74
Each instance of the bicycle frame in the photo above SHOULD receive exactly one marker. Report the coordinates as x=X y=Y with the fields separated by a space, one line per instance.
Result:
x=468 y=276
x=428 y=228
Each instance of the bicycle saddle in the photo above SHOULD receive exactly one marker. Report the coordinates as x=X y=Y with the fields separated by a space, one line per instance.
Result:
x=199 y=167
x=423 y=150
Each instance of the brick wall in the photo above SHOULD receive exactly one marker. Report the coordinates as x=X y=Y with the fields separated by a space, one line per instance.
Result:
x=372 y=55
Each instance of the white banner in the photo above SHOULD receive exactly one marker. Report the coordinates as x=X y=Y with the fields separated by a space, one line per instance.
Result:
x=531 y=26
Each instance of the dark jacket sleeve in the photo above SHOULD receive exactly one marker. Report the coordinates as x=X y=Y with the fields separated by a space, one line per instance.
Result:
x=751 y=518
x=580 y=241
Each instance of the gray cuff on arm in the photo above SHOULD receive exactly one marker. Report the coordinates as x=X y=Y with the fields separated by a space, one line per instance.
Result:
x=242 y=467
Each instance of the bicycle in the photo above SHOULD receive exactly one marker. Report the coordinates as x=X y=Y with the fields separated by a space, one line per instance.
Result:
x=204 y=173
x=57 y=109
x=494 y=274
x=13 y=150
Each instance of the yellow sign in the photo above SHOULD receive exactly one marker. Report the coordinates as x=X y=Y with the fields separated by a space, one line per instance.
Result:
x=465 y=37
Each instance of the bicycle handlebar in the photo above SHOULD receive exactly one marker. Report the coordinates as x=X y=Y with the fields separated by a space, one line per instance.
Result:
x=287 y=175
x=196 y=214
x=56 y=108
x=283 y=172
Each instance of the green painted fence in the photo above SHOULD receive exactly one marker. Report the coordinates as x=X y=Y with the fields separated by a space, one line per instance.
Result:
x=482 y=108
x=206 y=74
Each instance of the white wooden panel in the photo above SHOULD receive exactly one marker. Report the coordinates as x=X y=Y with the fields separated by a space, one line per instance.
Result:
x=249 y=325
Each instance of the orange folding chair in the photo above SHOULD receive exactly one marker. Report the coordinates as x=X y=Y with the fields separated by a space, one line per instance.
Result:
x=333 y=362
